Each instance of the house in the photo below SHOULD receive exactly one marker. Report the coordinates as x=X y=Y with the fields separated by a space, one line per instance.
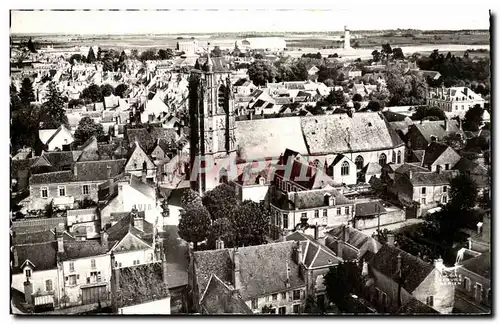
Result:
x=439 y=156
x=65 y=188
x=342 y=170
x=253 y=183
x=125 y=192
x=244 y=87
x=351 y=244
x=372 y=213
x=83 y=223
x=321 y=207
x=395 y=276
x=263 y=276
x=315 y=260
x=480 y=241
x=56 y=138
x=353 y=73
x=454 y=101
x=420 y=135
x=84 y=271
x=219 y=298
x=131 y=240
x=140 y=164
x=479 y=173
x=473 y=294
x=141 y=289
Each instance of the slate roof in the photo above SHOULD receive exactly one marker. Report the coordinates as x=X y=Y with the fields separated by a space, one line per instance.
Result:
x=262 y=268
x=167 y=134
x=339 y=133
x=414 y=270
x=369 y=209
x=98 y=170
x=126 y=225
x=372 y=168
x=315 y=198
x=405 y=168
x=17 y=166
x=480 y=265
x=414 y=306
x=433 y=152
x=52 y=177
x=220 y=298
x=60 y=159
x=466 y=165
x=142 y=136
x=82 y=249
x=42 y=255
x=357 y=239
x=313 y=178
x=315 y=255
x=432 y=178
x=437 y=128
x=141 y=284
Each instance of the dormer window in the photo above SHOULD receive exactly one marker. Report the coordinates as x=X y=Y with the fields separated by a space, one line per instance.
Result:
x=27 y=272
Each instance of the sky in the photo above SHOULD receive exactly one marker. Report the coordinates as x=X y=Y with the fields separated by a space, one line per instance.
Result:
x=225 y=20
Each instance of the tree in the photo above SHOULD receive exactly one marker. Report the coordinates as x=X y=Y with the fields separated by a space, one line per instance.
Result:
x=93 y=93
x=123 y=57
x=165 y=54
x=107 y=90
x=261 y=72
x=318 y=56
x=91 y=56
x=75 y=103
x=76 y=58
x=424 y=112
x=339 y=283
x=216 y=52
x=120 y=89
x=300 y=71
x=463 y=193
x=376 y=55
x=99 y=54
x=252 y=223
x=26 y=94
x=397 y=54
x=386 y=50
x=220 y=201
x=357 y=97
x=189 y=198
x=31 y=46
x=258 y=56
x=336 y=98
x=374 y=105
x=194 y=224
x=223 y=229
x=165 y=209
x=473 y=118
x=454 y=141
x=53 y=114
x=86 y=129
x=134 y=53
x=148 y=55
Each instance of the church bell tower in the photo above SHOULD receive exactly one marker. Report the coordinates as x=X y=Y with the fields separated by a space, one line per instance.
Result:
x=212 y=124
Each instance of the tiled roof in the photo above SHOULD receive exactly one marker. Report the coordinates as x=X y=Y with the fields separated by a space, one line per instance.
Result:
x=414 y=306
x=42 y=255
x=437 y=128
x=433 y=152
x=356 y=238
x=82 y=249
x=60 y=159
x=405 y=168
x=432 y=178
x=339 y=133
x=313 y=199
x=52 y=177
x=98 y=170
x=17 y=166
x=142 y=136
x=466 y=165
x=368 y=209
x=262 y=268
x=220 y=298
x=126 y=225
x=480 y=265
x=141 y=284
x=313 y=178
x=413 y=269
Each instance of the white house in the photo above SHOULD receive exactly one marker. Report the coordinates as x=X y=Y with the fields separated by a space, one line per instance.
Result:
x=56 y=138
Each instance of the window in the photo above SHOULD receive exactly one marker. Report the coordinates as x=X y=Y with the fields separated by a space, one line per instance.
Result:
x=359 y=161
x=384 y=299
x=446 y=166
x=339 y=211
x=283 y=295
x=479 y=292
x=272 y=311
x=347 y=210
x=28 y=273
x=275 y=296
x=285 y=220
x=316 y=213
x=72 y=280
x=445 y=199
x=221 y=96
x=296 y=309
x=48 y=285
x=382 y=160
x=325 y=212
x=255 y=303
x=282 y=310
x=466 y=284
x=423 y=201
x=296 y=294
x=345 y=168
x=71 y=266
x=393 y=156
x=44 y=192
x=445 y=189
x=399 y=157
x=61 y=190
x=92 y=263
x=85 y=189
x=304 y=215
x=424 y=190
x=429 y=300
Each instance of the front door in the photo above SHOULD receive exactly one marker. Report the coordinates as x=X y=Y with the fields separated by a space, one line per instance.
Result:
x=92 y=295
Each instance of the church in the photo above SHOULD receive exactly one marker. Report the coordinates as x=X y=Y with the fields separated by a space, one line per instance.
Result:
x=220 y=146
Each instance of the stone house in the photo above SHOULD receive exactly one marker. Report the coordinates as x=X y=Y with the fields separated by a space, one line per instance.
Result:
x=420 y=135
x=139 y=161
x=473 y=293
x=393 y=277
x=264 y=277
x=371 y=213
x=351 y=244
x=454 y=101
x=439 y=156
x=56 y=138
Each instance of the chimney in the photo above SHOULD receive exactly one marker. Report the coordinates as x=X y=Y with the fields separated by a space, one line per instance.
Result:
x=219 y=244
x=143 y=175
x=446 y=125
x=347 y=230
x=139 y=223
x=60 y=242
x=108 y=171
x=410 y=175
x=460 y=123
x=390 y=239
x=104 y=239
x=375 y=236
x=75 y=171
x=28 y=291
x=316 y=230
x=299 y=253
x=164 y=268
x=236 y=269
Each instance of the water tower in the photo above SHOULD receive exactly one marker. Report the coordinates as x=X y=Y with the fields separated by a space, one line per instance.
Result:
x=347 y=40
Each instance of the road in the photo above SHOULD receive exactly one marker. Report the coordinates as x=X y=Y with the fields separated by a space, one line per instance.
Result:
x=395 y=226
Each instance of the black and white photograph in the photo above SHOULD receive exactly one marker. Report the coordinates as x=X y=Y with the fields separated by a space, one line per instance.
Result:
x=278 y=162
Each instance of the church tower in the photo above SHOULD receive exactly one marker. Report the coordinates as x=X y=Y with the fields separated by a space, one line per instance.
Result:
x=212 y=123
x=347 y=38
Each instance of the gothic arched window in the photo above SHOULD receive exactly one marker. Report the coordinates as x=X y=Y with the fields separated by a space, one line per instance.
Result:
x=221 y=98
x=359 y=162
x=399 y=157
x=382 y=160
x=345 y=168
